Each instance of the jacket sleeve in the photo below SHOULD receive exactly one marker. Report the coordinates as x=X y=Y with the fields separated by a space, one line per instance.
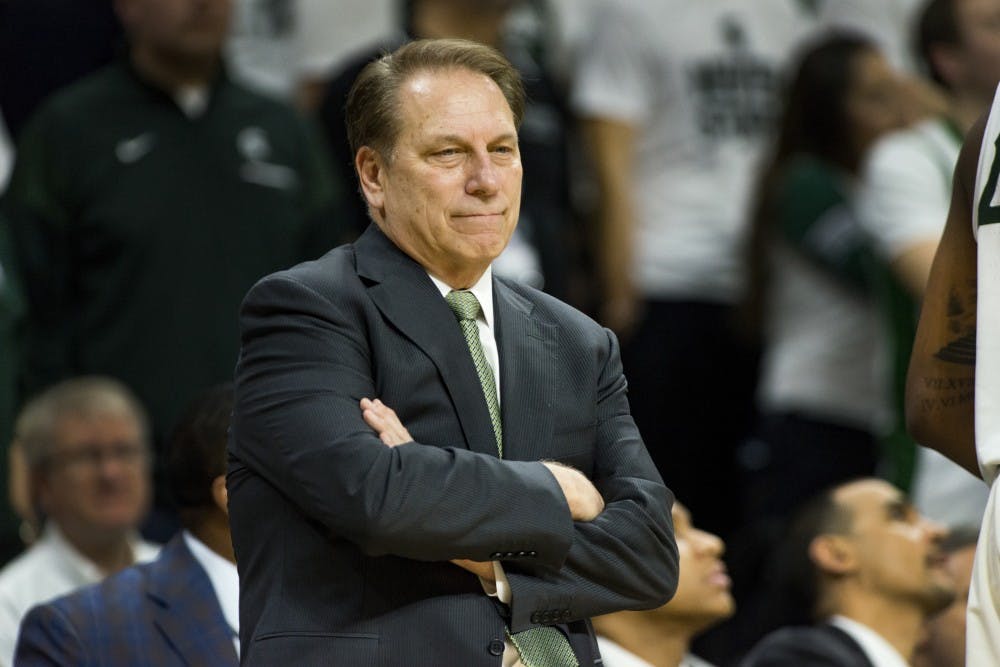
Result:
x=305 y=364
x=626 y=558
x=47 y=637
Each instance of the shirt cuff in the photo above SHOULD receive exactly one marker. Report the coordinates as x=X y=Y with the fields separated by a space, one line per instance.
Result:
x=499 y=589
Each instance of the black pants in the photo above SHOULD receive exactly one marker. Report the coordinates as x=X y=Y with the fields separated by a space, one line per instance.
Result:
x=691 y=383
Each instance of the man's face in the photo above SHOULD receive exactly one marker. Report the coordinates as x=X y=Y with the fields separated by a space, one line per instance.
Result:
x=182 y=29
x=703 y=595
x=978 y=23
x=898 y=552
x=450 y=192
x=97 y=480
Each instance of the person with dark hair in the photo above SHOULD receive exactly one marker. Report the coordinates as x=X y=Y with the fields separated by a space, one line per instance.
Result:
x=545 y=251
x=944 y=641
x=811 y=305
x=145 y=200
x=525 y=478
x=810 y=299
x=180 y=609
x=905 y=188
x=662 y=637
x=869 y=571
x=678 y=101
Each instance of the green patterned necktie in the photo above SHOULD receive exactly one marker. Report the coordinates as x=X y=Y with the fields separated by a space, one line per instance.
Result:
x=538 y=647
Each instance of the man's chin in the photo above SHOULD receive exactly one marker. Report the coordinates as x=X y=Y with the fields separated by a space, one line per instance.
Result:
x=937 y=599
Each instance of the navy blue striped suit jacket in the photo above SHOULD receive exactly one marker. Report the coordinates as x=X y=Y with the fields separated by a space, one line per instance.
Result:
x=159 y=614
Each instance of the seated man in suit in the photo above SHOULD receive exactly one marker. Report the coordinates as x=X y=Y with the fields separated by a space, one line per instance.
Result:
x=525 y=474
x=662 y=637
x=871 y=570
x=178 y=610
x=85 y=443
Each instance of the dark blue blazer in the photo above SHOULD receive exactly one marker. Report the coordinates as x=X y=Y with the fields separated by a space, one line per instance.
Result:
x=819 y=646
x=158 y=614
x=343 y=543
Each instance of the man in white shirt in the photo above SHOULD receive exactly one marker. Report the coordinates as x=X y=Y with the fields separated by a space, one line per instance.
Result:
x=87 y=448
x=870 y=569
x=180 y=609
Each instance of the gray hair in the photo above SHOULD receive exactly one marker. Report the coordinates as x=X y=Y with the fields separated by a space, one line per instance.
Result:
x=87 y=396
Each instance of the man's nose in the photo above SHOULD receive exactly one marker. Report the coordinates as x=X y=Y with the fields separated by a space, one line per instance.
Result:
x=483 y=179
x=936 y=531
x=708 y=543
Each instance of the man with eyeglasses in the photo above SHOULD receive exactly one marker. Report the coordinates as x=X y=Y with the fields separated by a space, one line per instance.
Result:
x=86 y=445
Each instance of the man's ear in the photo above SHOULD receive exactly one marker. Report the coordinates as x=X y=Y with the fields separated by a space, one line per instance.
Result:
x=220 y=495
x=371 y=173
x=833 y=554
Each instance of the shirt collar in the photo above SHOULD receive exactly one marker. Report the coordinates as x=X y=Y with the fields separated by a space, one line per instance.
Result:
x=224 y=578
x=483 y=290
x=84 y=569
x=875 y=647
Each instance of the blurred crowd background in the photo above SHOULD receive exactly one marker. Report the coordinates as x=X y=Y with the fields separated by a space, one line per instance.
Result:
x=749 y=193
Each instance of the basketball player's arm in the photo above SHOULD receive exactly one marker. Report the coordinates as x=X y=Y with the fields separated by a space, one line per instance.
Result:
x=940 y=385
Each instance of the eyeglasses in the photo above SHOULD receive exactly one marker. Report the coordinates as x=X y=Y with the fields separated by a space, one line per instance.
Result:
x=92 y=457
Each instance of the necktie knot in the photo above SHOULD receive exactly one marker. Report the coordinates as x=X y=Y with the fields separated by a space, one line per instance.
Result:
x=464 y=304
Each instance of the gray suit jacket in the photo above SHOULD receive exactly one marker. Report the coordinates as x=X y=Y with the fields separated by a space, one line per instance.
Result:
x=343 y=543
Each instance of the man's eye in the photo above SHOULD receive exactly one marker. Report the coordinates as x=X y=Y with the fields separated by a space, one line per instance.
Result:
x=447 y=152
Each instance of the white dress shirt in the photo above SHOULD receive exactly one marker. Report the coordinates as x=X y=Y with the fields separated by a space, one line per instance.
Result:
x=483 y=291
x=225 y=582
x=50 y=568
x=879 y=652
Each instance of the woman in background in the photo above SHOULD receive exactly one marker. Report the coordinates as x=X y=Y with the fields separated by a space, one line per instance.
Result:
x=811 y=297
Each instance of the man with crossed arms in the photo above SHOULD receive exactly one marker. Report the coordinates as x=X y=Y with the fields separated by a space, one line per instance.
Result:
x=525 y=501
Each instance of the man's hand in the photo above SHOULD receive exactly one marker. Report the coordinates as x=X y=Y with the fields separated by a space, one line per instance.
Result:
x=384 y=421
x=585 y=503
x=482 y=569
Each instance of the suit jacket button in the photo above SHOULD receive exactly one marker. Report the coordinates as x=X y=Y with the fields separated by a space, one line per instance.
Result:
x=510 y=554
x=522 y=554
x=496 y=555
x=532 y=553
x=496 y=647
x=566 y=614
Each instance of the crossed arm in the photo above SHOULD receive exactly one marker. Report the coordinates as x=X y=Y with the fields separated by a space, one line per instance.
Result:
x=584 y=501
x=305 y=365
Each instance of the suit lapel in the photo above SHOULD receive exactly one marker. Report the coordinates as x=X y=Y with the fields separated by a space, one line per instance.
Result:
x=527 y=354
x=186 y=610
x=405 y=295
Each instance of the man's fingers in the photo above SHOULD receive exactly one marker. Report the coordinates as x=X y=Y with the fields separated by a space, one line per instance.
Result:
x=383 y=420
